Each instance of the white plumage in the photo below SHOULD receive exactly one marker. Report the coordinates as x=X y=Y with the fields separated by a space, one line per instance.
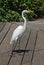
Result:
x=19 y=30
x=16 y=33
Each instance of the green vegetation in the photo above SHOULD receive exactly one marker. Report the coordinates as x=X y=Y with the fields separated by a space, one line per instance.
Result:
x=11 y=9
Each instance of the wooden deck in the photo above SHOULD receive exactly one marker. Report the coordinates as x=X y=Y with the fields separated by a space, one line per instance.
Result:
x=31 y=50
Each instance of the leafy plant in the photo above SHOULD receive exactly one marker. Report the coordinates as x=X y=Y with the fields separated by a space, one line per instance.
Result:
x=11 y=9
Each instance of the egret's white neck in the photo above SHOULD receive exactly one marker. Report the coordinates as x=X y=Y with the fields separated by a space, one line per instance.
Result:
x=24 y=20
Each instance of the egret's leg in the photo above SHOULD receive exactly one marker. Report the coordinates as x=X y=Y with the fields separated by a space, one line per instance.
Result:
x=12 y=46
x=19 y=43
x=11 y=49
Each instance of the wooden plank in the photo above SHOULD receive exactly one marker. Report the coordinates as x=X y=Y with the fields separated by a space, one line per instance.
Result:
x=2 y=26
x=17 y=56
x=4 y=57
x=32 y=40
x=4 y=31
x=38 y=58
x=30 y=47
x=40 y=41
x=5 y=47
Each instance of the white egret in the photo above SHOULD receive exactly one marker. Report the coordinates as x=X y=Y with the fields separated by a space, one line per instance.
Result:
x=20 y=29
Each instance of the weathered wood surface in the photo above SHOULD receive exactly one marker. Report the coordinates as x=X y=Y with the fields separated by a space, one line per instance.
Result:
x=4 y=32
x=28 y=50
x=2 y=26
x=38 y=58
x=5 y=46
x=23 y=44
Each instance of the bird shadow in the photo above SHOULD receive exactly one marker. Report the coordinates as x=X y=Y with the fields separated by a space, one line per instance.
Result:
x=21 y=51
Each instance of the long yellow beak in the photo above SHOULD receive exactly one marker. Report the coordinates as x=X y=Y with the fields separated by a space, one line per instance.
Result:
x=28 y=11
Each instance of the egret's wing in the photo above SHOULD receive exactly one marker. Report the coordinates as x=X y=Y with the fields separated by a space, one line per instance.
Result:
x=36 y=25
x=16 y=33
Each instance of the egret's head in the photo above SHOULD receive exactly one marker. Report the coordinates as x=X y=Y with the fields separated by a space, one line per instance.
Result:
x=27 y=11
x=24 y=11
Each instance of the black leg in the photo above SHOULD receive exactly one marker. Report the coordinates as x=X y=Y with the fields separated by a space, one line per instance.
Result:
x=19 y=43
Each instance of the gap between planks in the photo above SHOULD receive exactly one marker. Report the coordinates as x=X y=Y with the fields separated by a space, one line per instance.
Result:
x=27 y=57
x=5 y=46
x=4 y=32
x=34 y=48
x=2 y=25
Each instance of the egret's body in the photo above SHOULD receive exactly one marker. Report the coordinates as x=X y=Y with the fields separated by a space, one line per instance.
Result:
x=19 y=30
x=16 y=33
